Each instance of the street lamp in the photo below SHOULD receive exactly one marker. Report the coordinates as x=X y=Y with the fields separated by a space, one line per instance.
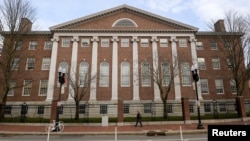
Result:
x=61 y=75
x=196 y=79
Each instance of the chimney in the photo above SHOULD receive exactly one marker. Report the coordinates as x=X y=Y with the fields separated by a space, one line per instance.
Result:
x=25 y=25
x=219 y=26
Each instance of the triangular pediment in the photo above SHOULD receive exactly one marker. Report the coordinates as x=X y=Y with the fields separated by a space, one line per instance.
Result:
x=123 y=17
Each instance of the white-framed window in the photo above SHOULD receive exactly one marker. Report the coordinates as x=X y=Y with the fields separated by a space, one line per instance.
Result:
x=104 y=74
x=15 y=64
x=201 y=63
x=219 y=86
x=27 y=87
x=213 y=45
x=48 y=45
x=18 y=45
x=199 y=46
x=33 y=45
x=30 y=64
x=104 y=42
x=163 y=42
x=144 y=43
x=85 y=42
x=216 y=63
x=185 y=74
x=145 y=73
x=233 y=86
x=125 y=42
x=103 y=109
x=125 y=74
x=228 y=45
x=83 y=74
x=182 y=42
x=46 y=64
x=229 y=63
x=43 y=87
x=12 y=88
x=166 y=74
x=204 y=86
x=65 y=42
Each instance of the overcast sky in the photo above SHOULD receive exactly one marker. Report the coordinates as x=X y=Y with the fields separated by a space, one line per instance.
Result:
x=192 y=12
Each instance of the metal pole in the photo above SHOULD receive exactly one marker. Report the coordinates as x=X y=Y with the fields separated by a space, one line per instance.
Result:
x=200 y=126
x=58 y=109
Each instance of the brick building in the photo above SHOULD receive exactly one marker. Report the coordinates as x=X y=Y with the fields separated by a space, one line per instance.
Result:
x=118 y=46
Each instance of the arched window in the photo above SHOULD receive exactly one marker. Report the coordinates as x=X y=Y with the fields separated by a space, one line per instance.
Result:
x=64 y=65
x=124 y=22
x=125 y=74
x=83 y=74
x=104 y=74
x=166 y=75
x=145 y=73
x=185 y=74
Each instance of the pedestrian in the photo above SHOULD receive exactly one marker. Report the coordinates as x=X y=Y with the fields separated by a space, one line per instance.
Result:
x=138 y=119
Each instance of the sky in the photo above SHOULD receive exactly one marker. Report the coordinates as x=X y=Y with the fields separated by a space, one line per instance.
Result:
x=197 y=13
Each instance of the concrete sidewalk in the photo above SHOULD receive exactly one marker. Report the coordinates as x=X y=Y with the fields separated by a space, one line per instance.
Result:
x=166 y=127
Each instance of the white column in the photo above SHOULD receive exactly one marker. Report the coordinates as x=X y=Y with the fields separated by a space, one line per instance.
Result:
x=115 y=69
x=195 y=61
x=155 y=67
x=94 y=68
x=73 y=66
x=177 y=87
x=52 y=71
x=135 y=69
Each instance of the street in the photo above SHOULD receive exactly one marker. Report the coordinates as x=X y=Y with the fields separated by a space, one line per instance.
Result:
x=190 y=137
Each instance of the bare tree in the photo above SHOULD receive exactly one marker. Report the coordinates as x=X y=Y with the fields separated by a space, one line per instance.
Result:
x=235 y=37
x=15 y=22
x=80 y=85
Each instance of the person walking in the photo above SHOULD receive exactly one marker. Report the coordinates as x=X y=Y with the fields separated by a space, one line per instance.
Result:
x=138 y=119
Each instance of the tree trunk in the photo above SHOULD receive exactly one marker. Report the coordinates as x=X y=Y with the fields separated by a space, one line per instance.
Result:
x=77 y=111
x=165 y=114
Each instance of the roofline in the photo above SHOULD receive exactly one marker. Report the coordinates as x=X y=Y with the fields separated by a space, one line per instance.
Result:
x=119 y=8
x=207 y=33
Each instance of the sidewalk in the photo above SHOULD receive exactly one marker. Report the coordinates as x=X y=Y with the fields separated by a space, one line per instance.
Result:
x=128 y=128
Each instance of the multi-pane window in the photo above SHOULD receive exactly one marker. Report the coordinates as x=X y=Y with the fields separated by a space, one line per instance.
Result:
x=27 y=87
x=204 y=86
x=201 y=63
x=191 y=108
x=103 y=109
x=48 y=45
x=33 y=45
x=216 y=63
x=12 y=87
x=145 y=74
x=182 y=43
x=148 y=108
x=144 y=43
x=213 y=45
x=199 y=46
x=229 y=63
x=222 y=107
x=60 y=110
x=40 y=109
x=65 y=42
x=207 y=107
x=126 y=108
x=7 y=109
x=105 y=42
x=169 y=108
x=163 y=42
x=15 y=64
x=85 y=42
x=18 y=45
x=228 y=45
x=30 y=63
x=125 y=42
x=46 y=64
x=166 y=75
x=83 y=74
x=185 y=74
x=43 y=87
x=104 y=74
x=233 y=86
x=219 y=86
x=125 y=74
x=82 y=109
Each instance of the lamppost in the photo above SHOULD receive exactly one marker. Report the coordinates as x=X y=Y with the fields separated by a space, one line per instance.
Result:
x=196 y=79
x=61 y=75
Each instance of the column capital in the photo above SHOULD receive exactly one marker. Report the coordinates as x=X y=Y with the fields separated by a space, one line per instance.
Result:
x=154 y=39
x=75 y=39
x=55 y=39
x=95 y=39
x=173 y=39
x=115 y=39
x=135 y=39
x=192 y=39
